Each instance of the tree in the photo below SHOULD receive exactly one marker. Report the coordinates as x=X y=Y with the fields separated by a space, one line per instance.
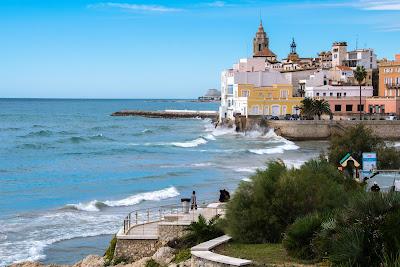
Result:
x=320 y=106
x=311 y=107
x=360 y=74
x=359 y=139
x=307 y=107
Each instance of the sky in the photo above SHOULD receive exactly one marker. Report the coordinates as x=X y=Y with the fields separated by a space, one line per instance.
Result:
x=168 y=49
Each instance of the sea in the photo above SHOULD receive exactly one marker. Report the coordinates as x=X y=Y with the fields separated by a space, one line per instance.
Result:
x=70 y=172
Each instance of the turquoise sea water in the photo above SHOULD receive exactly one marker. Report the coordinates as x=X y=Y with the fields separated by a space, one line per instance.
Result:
x=69 y=172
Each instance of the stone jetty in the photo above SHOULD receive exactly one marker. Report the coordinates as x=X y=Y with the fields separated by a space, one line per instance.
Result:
x=169 y=114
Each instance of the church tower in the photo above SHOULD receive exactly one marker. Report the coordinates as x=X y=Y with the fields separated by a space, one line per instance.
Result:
x=293 y=56
x=261 y=45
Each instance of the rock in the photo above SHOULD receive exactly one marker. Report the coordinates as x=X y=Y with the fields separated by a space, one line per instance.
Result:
x=140 y=263
x=187 y=263
x=27 y=264
x=91 y=261
x=164 y=255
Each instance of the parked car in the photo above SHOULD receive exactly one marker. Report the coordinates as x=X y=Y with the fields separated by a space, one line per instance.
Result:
x=391 y=117
x=287 y=117
x=274 y=118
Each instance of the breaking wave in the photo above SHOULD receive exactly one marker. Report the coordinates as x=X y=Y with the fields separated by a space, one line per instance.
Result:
x=193 y=143
x=96 y=205
x=275 y=150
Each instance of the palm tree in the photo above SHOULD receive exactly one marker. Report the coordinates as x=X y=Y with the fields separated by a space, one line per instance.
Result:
x=360 y=74
x=320 y=106
x=307 y=107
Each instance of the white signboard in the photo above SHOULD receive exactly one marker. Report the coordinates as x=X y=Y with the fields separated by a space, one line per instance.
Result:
x=369 y=162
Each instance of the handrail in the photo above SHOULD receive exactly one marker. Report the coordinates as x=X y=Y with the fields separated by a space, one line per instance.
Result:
x=155 y=214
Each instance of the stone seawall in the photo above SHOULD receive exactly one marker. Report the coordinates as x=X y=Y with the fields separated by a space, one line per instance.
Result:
x=133 y=250
x=322 y=130
x=169 y=114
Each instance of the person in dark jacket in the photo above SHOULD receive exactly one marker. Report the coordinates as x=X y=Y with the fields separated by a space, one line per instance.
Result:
x=193 y=201
x=375 y=188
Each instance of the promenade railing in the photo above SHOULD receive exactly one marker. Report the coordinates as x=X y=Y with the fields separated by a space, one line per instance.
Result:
x=172 y=213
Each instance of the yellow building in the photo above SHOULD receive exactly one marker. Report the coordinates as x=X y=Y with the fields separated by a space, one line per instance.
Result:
x=275 y=100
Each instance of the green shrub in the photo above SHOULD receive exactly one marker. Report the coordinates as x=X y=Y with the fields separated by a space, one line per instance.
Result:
x=152 y=263
x=299 y=236
x=261 y=210
x=109 y=254
x=366 y=231
x=203 y=230
x=359 y=139
x=182 y=255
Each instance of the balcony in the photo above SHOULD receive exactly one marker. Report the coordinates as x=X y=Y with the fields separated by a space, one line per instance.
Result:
x=393 y=86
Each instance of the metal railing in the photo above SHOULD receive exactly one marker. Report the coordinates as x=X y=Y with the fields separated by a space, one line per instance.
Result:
x=173 y=213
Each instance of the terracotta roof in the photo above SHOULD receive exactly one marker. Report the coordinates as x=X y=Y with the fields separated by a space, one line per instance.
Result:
x=343 y=68
x=265 y=53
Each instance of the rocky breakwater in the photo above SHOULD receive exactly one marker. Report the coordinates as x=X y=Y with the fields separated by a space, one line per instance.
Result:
x=169 y=114
x=164 y=256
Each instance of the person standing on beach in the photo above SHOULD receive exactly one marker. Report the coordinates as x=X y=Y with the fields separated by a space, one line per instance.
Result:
x=193 y=201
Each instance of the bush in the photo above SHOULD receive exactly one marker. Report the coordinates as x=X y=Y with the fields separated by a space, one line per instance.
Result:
x=366 y=231
x=109 y=254
x=152 y=263
x=182 y=255
x=299 y=236
x=201 y=230
x=261 y=210
x=359 y=139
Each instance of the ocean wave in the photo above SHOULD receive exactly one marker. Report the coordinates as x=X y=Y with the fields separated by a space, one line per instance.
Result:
x=193 y=143
x=210 y=137
x=9 y=129
x=35 y=146
x=247 y=169
x=275 y=150
x=81 y=139
x=186 y=144
x=41 y=133
x=96 y=205
x=247 y=179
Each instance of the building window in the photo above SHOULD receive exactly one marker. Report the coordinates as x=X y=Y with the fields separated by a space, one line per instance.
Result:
x=330 y=94
x=284 y=110
x=344 y=94
x=230 y=89
x=324 y=94
x=255 y=110
x=317 y=94
x=284 y=93
x=382 y=108
x=349 y=108
x=358 y=108
x=338 y=107
x=338 y=95
x=371 y=108
x=245 y=93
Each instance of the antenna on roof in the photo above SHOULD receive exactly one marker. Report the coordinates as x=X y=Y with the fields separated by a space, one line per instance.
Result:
x=357 y=42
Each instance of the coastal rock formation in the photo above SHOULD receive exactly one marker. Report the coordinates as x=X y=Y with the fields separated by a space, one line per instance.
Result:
x=163 y=255
x=91 y=261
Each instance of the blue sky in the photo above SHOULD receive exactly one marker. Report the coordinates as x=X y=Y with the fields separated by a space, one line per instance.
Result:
x=168 y=49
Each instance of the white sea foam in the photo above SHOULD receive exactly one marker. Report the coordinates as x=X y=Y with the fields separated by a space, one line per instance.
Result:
x=95 y=205
x=148 y=196
x=210 y=137
x=275 y=150
x=203 y=164
x=293 y=163
x=193 y=143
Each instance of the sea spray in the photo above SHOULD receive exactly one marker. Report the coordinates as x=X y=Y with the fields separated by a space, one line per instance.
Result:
x=96 y=205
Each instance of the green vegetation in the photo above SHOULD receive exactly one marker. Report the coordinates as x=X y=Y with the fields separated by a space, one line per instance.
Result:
x=182 y=255
x=360 y=139
x=299 y=236
x=109 y=254
x=152 y=263
x=261 y=210
x=321 y=213
x=314 y=107
x=258 y=253
x=204 y=230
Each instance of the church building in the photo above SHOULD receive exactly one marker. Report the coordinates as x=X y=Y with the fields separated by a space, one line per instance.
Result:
x=261 y=45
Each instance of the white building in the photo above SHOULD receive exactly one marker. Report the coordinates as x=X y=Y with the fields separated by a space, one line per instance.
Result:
x=323 y=84
x=361 y=57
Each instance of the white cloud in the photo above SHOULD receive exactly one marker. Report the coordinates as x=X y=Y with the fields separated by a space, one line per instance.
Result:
x=379 y=5
x=217 y=4
x=136 y=7
x=389 y=28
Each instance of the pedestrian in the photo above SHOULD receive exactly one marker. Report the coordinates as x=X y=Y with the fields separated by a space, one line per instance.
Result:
x=375 y=188
x=193 y=201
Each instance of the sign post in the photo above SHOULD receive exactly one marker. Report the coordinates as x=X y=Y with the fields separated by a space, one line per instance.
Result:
x=368 y=163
